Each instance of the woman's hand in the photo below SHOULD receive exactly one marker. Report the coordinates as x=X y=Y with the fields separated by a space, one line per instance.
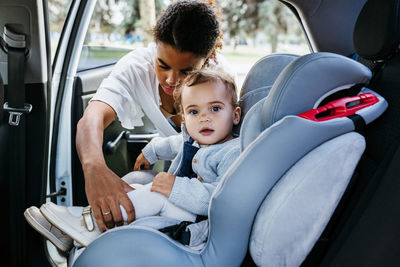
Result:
x=141 y=163
x=163 y=183
x=106 y=192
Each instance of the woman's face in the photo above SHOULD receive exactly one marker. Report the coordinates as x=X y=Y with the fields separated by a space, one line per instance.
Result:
x=172 y=66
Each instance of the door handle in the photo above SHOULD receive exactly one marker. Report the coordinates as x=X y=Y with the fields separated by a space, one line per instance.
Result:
x=112 y=146
x=138 y=138
x=61 y=192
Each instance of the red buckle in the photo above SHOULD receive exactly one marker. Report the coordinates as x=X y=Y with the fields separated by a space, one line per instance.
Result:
x=340 y=108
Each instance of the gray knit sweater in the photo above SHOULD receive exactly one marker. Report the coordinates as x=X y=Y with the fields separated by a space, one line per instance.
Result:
x=210 y=163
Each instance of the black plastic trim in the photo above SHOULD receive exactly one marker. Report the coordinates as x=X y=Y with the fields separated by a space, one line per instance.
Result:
x=294 y=11
x=60 y=93
x=62 y=36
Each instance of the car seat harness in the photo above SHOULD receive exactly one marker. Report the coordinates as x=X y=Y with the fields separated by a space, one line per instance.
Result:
x=178 y=231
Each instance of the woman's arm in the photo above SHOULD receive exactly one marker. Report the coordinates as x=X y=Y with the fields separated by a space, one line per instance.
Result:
x=163 y=148
x=105 y=191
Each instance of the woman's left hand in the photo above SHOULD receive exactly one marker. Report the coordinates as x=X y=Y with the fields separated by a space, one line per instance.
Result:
x=163 y=183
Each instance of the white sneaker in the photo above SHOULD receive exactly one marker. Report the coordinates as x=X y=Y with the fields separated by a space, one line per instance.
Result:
x=49 y=231
x=71 y=221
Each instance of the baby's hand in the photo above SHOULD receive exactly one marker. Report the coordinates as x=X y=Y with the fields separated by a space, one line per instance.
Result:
x=163 y=183
x=141 y=163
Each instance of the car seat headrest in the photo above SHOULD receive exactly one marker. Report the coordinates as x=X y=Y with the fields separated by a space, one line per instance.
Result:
x=307 y=81
x=260 y=79
x=265 y=71
x=377 y=30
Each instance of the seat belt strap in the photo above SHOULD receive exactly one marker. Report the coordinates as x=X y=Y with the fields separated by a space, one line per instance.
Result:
x=16 y=107
x=359 y=123
x=15 y=48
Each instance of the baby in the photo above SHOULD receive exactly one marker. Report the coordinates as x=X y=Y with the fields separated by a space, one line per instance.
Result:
x=201 y=155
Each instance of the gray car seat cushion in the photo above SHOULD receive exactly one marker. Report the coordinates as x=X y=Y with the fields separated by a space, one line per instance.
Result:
x=259 y=81
x=138 y=246
x=282 y=139
x=236 y=199
x=328 y=72
x=252 y=124
x=150 y=223
x=265 y=71
x=295 y=212
x=371 y=113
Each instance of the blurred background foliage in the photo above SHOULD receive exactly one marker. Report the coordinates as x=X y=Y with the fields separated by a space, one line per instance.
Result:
x=243 y=21
x=252 y=29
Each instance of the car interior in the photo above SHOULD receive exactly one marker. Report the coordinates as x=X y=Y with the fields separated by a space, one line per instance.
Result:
x=316 y=190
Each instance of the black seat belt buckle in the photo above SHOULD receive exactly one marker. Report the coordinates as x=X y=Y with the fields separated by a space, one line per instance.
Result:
x=16 y=113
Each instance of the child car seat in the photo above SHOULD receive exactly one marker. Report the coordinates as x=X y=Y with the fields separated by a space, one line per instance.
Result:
x=367 y=231
x=274 y=142
x=260 y=79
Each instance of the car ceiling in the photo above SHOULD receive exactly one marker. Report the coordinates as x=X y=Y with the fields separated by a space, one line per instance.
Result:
x=329 y=24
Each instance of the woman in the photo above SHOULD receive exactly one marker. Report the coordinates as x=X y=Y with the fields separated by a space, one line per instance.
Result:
x=186 y=37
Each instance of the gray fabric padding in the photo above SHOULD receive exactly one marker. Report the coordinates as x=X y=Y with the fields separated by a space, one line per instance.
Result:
x=371 y=113
x=252 y=97
x=137 y=246
x=259 y=81
x=233 y=205
x=306 y=79
x=252 y=124
x=265 y=71
x=262 y=163
x=298 y=208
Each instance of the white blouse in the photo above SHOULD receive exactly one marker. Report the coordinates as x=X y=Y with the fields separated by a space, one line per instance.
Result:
x=132 y=88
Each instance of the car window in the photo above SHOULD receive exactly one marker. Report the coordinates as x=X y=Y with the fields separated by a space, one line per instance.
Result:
x=254 y=29
x=58 y=10
x=117 y=29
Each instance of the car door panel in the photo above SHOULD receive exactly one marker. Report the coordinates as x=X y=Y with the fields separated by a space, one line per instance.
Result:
x=120 y=146
x=22 y=245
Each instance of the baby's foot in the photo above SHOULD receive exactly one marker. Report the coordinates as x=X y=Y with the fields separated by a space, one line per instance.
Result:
x=35 y=218
x=77 y=222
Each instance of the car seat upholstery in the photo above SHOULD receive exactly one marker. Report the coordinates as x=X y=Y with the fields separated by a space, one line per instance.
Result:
x=283 y=219
x=367 y=231
x=277 y=145
x=259 y=80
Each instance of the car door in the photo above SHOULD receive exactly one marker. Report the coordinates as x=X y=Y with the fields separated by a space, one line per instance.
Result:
x=85 y=57
x=25 y=71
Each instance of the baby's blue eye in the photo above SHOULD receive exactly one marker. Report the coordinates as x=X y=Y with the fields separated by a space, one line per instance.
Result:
x=216 y=108
x=193 y=112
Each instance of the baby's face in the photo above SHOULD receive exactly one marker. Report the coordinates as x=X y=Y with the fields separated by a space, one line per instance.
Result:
x=208 y=113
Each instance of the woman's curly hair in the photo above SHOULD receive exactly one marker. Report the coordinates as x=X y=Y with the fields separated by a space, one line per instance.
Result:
x=191 y=26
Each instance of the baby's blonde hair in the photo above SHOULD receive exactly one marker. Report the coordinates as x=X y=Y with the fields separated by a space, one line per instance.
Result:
x=202 y=76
